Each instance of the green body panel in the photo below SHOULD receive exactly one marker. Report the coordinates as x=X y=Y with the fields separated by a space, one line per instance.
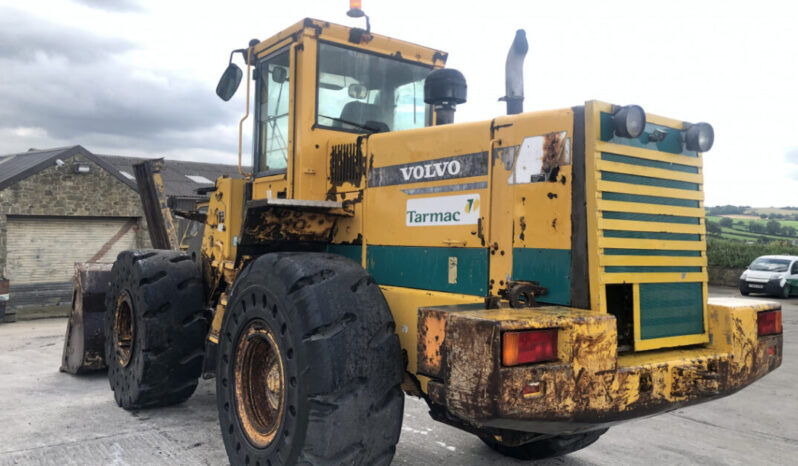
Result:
x=648 y=181
x=673 y=142
x=651 y=268
x=671 y=309
x=427 y=268
x=549 y=267
x=623 y=197
x=648 y=163
x=650 y=252
x=651 y=235
x=352 y=251
x=651 y=217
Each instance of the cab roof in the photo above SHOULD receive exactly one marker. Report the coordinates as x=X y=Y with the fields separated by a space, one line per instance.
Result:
x=353 y=37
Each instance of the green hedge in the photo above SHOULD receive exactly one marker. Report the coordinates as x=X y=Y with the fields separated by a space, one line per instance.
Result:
x=736 y=254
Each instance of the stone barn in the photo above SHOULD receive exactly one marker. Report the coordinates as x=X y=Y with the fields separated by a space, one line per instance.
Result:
x=67 y=205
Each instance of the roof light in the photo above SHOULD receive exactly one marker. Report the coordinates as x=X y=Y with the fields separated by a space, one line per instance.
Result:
x=529 y=346
x=127 y=175
x=355 y=9
x=699 y=137
x=629 y=121
x=768 y=323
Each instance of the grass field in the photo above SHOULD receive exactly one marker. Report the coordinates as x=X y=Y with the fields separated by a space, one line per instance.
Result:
x=740 y=232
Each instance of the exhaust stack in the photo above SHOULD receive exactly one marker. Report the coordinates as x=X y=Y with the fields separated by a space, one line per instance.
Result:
x=514 y=74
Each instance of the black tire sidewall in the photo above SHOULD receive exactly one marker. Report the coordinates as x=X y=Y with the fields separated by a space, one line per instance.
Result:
x=343 y=402
x=237 y=319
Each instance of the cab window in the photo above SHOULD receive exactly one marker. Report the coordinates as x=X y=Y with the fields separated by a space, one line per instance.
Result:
x=794 y=270
x=271 y=114
x=360 y=91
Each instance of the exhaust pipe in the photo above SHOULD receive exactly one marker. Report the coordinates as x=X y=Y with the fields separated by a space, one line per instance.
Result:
x=514 y=74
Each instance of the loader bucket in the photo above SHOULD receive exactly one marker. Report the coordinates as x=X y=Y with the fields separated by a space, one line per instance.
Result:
x=84 y=346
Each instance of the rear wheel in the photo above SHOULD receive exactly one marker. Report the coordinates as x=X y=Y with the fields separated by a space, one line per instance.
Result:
x=309 y=365
x=155 y=327
x=546 y=448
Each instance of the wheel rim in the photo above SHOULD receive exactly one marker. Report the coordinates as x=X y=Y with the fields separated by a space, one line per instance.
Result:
x=259 y=384
x=124 y=328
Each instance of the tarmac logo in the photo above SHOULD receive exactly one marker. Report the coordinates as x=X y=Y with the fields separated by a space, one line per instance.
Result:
x=443 y=210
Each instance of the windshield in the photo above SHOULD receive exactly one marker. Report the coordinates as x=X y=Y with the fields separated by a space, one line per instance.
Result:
x=770 y=265
x=358 y=90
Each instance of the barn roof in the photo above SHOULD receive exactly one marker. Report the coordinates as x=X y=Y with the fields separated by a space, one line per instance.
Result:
x=180 y=178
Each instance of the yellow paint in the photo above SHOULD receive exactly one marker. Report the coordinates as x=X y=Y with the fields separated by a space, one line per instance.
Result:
x=404 y=304
x=649 y=190
x=226 y=203
x=648 y=154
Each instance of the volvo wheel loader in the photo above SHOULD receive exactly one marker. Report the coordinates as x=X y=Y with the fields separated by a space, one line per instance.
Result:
x=536 y=277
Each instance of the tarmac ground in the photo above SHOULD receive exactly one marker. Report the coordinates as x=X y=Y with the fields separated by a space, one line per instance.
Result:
x=52 y=418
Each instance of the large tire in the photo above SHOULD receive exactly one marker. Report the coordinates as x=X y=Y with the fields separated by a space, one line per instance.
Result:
x=155 y=327
x=546 y=448
x=329 y=391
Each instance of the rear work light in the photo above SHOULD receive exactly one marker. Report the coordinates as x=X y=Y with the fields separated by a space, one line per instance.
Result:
x=529 y=346
x=768 y=323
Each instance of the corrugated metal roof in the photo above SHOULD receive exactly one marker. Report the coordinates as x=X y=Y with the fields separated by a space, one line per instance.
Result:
x=176 y=173
x=180 y=177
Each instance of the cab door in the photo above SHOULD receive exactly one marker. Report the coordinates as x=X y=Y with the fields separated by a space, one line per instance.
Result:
x=272 y=132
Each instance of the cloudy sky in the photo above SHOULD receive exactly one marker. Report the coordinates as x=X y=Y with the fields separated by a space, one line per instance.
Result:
x=137 y=77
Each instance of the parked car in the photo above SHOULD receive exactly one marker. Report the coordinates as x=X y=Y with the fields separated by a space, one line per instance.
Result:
x=774 y=275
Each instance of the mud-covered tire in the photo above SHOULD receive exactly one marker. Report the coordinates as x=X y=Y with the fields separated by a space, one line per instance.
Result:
x=169 y=324
x=546 y=448
x=340 y=401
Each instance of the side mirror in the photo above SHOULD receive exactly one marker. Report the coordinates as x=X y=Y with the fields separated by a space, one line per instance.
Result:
x=358 y=91
x=228 y=83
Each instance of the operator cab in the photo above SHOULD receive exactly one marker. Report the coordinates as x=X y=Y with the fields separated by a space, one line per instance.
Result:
x=318 y=87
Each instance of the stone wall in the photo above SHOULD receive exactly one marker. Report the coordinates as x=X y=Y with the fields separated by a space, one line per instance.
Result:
x=724 y=277
x=58 y=191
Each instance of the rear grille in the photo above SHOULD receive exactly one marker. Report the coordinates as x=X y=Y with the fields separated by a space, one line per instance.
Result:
x=649 y=225
x=347 y=164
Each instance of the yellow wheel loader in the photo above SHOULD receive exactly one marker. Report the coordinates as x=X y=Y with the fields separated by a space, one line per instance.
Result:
x=536 y=277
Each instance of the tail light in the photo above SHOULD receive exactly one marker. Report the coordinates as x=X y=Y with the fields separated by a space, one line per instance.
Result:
x=529 y=346
x=768 y=323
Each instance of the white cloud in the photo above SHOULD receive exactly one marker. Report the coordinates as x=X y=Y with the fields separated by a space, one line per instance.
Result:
x=139 y=78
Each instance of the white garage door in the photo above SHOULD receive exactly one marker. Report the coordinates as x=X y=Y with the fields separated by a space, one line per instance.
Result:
x=45 y=250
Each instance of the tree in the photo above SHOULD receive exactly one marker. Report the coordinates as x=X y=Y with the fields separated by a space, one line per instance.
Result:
x=726 y=222
x=756 y=227
x=773 y=227
x=788 y=231
x=713 y=228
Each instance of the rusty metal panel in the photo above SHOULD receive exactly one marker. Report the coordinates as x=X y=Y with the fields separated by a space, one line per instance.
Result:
x=84 y=344
x=160 y=222
x=431 y=333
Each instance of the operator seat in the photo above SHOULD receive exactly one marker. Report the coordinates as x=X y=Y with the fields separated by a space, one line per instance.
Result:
x=363 y=113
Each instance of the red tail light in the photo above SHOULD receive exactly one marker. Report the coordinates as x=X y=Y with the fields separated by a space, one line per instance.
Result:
x=529 y=346
x=768 y=323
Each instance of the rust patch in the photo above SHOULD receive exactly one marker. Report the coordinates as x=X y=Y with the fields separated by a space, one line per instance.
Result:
x=431 y=333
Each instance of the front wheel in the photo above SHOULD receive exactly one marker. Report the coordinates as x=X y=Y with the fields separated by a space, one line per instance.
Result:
x=545 y=448
x=309 y=366
x=785 y=291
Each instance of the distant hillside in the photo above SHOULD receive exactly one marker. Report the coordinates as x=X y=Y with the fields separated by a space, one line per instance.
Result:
x=753 y=224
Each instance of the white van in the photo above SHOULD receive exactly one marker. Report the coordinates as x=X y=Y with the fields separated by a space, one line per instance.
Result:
x=774 y=275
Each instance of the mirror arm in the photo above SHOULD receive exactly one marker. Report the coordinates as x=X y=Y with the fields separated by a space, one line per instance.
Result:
x=248 y=176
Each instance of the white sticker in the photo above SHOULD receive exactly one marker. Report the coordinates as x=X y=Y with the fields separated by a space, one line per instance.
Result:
x=445 y=210
x=540 y=157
